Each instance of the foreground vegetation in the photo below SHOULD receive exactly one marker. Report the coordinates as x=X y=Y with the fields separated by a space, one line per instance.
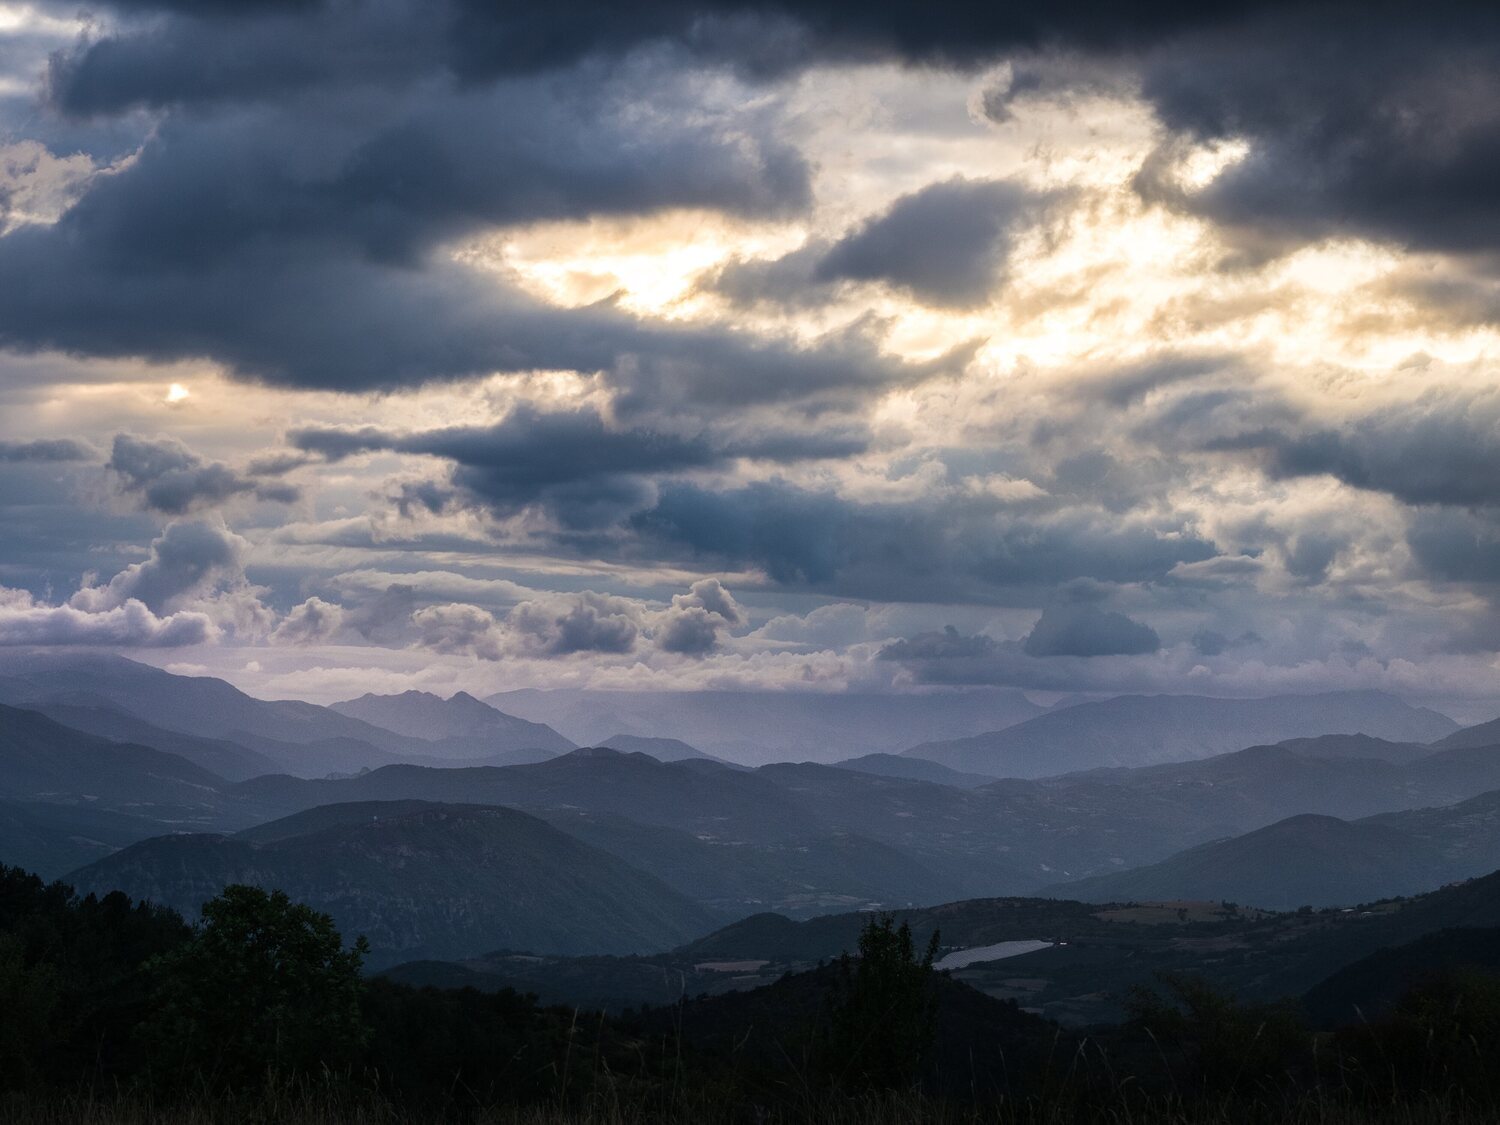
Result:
x=115 y=1012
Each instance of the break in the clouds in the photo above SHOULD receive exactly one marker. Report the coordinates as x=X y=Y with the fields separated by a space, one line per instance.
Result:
x=1077 y=347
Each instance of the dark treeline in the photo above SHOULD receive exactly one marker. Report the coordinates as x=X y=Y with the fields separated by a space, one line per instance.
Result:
x=105 y=1001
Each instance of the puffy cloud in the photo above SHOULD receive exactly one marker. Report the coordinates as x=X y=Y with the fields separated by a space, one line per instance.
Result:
x=168 y=477
x=187 y=562
x=586 y=622
x=1086 y=630
x=312 y=622
x=949 y=644
x=23 y=621
x=693 y=623
x=459 y=629
x=555 y=626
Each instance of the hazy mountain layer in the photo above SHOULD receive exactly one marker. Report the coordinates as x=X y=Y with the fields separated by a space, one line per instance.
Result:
x=758 y=727
x=461 y=726
x=662 y=749
x=914 y=769
x=1321 y=860
x=1138 y=730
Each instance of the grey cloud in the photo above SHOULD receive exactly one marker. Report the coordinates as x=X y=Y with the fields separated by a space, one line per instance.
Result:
x=1086 y=630
x=46 y=450
x=130 y=624
x=1442 y=449
x=946 y=245
x=378 y=617
x=464 y=630
x=168 y=477
x=951 y=549
x=695 y=621
x=331 y=222
x=170 y=53
x=1367 y=125
x=1210 y=642
x=586 y=471
x=312 y=622
x=586 y=622
x=186 y=562
x=950 y=644
x=1454 y=545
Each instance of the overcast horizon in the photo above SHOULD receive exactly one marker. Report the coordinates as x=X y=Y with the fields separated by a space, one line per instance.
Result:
x=357 y=346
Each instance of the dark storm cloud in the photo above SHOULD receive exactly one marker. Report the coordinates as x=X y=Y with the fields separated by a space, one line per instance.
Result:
x=946 y=549
x=946 y=245
x=587 y=472
x=955 y=658
x=46 y=450
x=166 y=476
x=1442 y=449
x=1379 y=124
x=1086 y=630
x=302 y=244
x=1456 y=545
x=167 y=53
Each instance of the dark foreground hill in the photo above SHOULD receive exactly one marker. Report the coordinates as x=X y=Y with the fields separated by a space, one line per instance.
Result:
x=1138 y=730
x=440 y=881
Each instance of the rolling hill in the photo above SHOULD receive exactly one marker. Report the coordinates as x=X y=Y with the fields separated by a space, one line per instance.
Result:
x=1484 y=734
x=1138 y=730
x=1320 y=860
x=913 y=769
x=443 y=881
x=42 y=760
x=662 y=749
x=1303 y=860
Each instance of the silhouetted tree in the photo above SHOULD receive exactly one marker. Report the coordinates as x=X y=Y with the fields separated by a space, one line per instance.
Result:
x=265 y=987
x=883 y=1016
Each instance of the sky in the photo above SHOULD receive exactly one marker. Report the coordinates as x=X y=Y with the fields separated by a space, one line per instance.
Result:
x=365 y=345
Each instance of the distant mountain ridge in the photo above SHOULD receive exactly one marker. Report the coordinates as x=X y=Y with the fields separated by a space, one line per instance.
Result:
x=757 y=727
x=1140 y=730
x=1320 y=860
x=459 y=726
x=662 y=749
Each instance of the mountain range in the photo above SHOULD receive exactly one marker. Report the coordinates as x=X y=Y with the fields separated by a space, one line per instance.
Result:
x=1141 y=730
x=757 y=727
x=1321 y=860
